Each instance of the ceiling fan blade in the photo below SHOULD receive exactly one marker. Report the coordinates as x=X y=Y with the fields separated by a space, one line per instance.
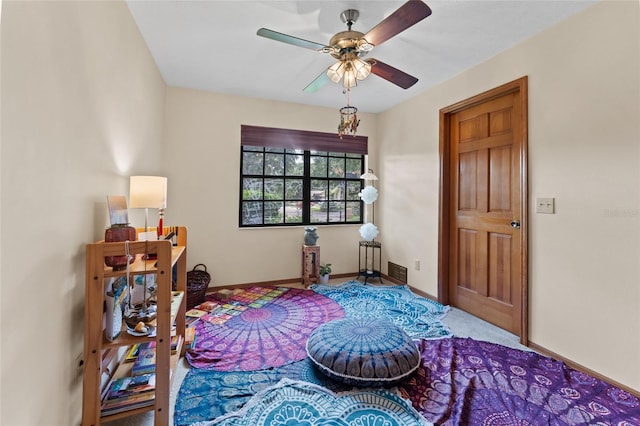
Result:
x=316 y=84
x=389 y=73
x=406 y=16
x=274 y=35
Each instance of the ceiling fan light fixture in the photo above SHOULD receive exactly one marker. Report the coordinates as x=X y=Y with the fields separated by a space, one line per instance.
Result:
x=365 y=46
x=336 y=71
x=350 y=79
x=362 y=68
x=349 y=71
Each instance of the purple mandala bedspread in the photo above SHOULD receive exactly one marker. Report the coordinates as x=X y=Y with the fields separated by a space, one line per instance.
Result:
x=469 y=382
x=263 y=335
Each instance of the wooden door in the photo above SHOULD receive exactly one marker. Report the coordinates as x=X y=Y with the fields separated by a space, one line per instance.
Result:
x=485 y=140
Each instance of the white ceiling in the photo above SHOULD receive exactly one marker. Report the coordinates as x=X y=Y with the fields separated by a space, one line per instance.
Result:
x=212 y=45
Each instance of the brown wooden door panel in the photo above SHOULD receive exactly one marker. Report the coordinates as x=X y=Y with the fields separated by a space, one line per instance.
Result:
x=485 y=252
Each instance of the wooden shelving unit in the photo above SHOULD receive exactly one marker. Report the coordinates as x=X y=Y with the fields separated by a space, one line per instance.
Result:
x=103 y=358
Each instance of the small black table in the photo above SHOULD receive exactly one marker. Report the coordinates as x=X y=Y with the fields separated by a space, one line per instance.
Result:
x=367 y=250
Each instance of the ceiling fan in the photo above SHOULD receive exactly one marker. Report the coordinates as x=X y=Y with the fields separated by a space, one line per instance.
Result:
x=349 y=47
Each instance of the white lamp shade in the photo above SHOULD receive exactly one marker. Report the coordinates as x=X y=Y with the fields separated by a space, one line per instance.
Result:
x=336 y=71
x=362 y=68
x=148 y=192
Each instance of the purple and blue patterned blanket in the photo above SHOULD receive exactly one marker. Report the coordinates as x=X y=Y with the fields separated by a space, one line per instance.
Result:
x=262 y=335
x=418 y=316
x=460 y=381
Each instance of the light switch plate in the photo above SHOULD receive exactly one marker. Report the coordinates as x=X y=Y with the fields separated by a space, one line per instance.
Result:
x=545 y=205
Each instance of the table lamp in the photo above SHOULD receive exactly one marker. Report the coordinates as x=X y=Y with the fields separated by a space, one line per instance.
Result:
x=148 y=192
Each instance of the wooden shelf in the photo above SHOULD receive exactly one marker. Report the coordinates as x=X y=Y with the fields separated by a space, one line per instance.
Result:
x=126 y=339
x=103 y=359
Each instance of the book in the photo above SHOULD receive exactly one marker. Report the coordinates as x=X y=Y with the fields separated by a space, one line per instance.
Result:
x=196 y=313
x=134 y=350
x=127 y=403
x=189 y=338
x=207 y=306
x=145 y=363
x=190 y=321
x=132 y=385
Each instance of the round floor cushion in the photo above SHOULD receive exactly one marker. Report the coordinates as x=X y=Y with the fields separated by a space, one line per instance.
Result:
x=363 y=351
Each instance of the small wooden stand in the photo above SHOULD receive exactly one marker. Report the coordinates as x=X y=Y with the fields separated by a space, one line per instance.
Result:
x=310 y=264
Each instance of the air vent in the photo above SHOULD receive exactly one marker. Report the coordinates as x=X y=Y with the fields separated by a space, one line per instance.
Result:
x=397 y=272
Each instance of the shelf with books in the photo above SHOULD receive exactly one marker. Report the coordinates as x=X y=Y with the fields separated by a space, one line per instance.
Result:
x=104 y=355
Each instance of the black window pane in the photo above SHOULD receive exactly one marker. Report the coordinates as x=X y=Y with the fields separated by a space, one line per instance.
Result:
x=319 y=189
x=318 y=166
x=252 y=189
x=294 y=151
x=319 y=212
x=274 y=164
x=353 y=213
x=274 y=189
x=293 y=212
x=252 y=213
x=336 y=190
x=252 y=163
x=353 y=168
x=273 y=212
x=294 y=165
x=293 y=189
x=270 y=149
x=336 y=212
x=353 y=189
x=336 y=167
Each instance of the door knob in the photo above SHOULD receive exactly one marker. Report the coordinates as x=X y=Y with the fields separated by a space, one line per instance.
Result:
x=515 y=224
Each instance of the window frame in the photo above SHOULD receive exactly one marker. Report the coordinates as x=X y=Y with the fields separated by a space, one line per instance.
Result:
x=308 y=144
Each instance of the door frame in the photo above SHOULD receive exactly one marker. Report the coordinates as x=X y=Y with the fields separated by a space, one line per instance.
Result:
x=519 y=85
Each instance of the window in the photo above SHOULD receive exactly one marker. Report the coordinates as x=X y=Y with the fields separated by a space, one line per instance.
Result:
x=288 y=177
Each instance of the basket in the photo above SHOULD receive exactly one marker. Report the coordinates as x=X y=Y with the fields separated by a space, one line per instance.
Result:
x=197 y=283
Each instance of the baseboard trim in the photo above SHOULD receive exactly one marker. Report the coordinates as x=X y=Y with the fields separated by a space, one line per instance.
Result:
x=213 y=289
x=544 y=351
x=423 y=294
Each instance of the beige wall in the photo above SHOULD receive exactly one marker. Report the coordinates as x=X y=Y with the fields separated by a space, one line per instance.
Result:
x=584 y=150
x=82 y=109
x=203 y=145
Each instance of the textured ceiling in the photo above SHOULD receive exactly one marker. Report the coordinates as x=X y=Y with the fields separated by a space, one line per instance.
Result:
x=212 y=45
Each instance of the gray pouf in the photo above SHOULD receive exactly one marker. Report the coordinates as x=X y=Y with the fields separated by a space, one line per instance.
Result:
x=363 y=351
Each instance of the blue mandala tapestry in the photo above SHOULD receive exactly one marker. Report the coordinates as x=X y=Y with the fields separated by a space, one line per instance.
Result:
x=292 y=402
x=418 y=316
x=206 y=394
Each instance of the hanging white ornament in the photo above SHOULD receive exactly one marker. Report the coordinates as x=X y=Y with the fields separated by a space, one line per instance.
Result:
x=369 y=194
x=368 y=231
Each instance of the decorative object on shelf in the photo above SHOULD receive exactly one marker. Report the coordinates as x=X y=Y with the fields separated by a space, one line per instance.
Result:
x=148 y=192
x=119 y=230
x=114 y=299
x=119 y=233
x=325 y=270
x=310 y=235
x=348 y=119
